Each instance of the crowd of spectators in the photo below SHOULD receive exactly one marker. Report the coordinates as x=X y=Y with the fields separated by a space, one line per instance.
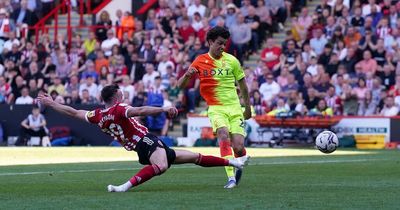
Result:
x=340 y=59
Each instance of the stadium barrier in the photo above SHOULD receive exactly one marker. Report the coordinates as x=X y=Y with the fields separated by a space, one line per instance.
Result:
x=381 y=130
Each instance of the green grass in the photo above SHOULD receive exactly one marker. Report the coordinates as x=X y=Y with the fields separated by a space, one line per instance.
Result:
x=370 y=180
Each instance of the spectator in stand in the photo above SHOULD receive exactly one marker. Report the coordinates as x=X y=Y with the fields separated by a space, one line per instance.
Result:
x=197 y=23
x=89 y=70
x=24 y=98
x=269 y=89
x=127 y=25
x=254 y=21
x=360 y=90
x=349 y=100
x=109 y=43
x=72 y=85
x=278 y=11
x=266 y=23
x=17 y=83
x=368 y=64
x=126 y=86
x=368 y=8
x=63 y=66
x=357 y=20
x=119 y=69
x=5 y=90
x=333 y=100
x=240 y=36
x=196 y=6
x=376 y=16
x=151 y=20
x=393 y=17
x=136 y=68
x=164 y=62
x=324 y=5
x=33 y=90
x=321 y=109
x=89 y=85
x=318 y=42
x=147 y=54
x=230 y=14
x=103 y=26
x=390 y=109
x=351 y=36
x=35 y=74
x=290 y=53
x=387 y=76
x=86 y=98
x=149 y=77
x=186 y=30
x=367 y=107
x=280 y=107
x=383 y=28
x=311 y=100
x=270 y=55
x=6 y=24
x=196 y=50
x=24 y=15
x=57 y=86
x=290 y=87
x=89 y=45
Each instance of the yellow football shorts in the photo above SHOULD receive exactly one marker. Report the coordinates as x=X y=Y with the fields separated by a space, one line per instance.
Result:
x=229 y=116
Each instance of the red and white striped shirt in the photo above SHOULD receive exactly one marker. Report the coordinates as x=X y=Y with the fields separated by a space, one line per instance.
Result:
x=114 y=122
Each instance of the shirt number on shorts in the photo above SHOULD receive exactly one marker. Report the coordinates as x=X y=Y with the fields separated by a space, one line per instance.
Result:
x=148 y=141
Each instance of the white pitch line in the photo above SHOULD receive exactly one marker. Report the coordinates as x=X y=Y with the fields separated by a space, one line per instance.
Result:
x=188 y=166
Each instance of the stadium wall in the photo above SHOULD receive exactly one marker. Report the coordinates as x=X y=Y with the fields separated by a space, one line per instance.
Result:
x=11 y=117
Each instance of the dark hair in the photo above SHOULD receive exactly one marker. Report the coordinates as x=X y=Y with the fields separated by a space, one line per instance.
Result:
x=216 y=32
x=328 y=45
x=108 y=92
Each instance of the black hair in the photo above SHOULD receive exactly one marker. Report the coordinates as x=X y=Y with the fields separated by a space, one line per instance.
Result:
x=216 y=32
x=108 y=92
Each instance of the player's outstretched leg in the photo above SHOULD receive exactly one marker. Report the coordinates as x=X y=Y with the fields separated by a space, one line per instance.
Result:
x=184 y=156
x=159 y=165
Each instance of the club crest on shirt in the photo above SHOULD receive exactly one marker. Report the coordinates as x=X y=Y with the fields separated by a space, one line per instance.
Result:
x=90 y=114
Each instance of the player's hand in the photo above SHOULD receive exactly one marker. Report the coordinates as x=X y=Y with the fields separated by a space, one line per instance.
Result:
x=45 y=99
x=191 y=71
x=171 y=111
x=247 y=113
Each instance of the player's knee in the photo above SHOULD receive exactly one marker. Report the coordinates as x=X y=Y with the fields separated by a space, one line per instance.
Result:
x=223 y=135
x=162 y=167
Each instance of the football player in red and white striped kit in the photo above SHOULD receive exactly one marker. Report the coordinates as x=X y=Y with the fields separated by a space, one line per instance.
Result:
x=117 y=120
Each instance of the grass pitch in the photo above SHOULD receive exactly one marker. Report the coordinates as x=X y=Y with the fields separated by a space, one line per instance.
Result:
x=56 y=178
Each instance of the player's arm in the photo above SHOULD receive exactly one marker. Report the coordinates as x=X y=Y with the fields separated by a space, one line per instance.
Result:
x=150 y=110
x=244 y=91
x=63 y=109
x=183 y=81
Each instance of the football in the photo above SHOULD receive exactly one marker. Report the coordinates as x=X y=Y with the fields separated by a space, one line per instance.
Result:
x=327 y=141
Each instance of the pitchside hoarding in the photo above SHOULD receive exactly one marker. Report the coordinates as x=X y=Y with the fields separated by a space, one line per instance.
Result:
x=346 y=126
